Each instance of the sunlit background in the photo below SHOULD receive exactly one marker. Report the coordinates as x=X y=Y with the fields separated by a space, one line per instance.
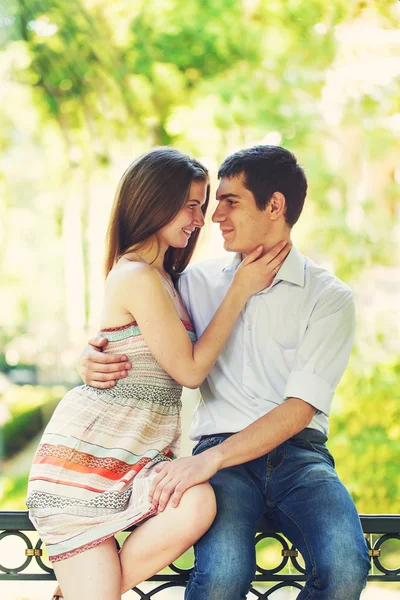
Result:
x=87 y=85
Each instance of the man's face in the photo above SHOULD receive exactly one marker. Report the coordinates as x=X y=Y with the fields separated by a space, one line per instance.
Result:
x=243 y=225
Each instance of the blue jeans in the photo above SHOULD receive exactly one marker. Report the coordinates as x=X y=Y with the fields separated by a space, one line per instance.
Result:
x=296 y=485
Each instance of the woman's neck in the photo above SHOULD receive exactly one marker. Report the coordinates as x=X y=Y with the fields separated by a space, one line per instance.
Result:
x=152 y=253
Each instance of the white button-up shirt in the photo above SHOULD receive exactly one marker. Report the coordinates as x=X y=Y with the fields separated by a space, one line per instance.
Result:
x=293 y=339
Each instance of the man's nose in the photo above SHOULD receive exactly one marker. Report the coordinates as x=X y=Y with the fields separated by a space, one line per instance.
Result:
x=218 y=215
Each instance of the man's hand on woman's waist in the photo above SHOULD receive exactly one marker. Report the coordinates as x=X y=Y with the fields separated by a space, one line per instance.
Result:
x=101 y=370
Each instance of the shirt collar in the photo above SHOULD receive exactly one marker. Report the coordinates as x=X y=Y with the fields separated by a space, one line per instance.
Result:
x=292 y=269
x=232 y=263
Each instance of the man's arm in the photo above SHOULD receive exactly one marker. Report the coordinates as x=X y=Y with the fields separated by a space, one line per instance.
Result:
x=265 y=434
x=319 y=365
x=101 y=370
x=257 y=439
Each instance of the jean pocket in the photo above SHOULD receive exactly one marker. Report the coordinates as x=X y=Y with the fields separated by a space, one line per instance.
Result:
x=207 y=443
x=322 y=449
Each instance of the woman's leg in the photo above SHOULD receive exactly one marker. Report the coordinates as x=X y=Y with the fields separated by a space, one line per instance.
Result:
x=163 y=538
x=95 y=573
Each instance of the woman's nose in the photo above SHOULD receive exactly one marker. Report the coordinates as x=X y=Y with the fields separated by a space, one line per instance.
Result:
x=199 y=218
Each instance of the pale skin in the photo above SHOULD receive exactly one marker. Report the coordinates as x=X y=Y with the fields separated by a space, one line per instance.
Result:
x=243 y=226
x=105 y=574
x=137 y=281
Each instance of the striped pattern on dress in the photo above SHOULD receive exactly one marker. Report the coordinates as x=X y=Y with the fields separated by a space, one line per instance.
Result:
x=94 y=466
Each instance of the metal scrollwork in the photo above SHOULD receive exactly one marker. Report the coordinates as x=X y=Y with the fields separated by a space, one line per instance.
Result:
x=376 y=558
x=285 y=547
x=29 y=546
x=150 y=595
x=380 y=531
x=275 y=588
x=39 y=561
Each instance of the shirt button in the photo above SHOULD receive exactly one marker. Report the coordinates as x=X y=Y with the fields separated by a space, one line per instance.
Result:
x=249 y=364
x=248 y=327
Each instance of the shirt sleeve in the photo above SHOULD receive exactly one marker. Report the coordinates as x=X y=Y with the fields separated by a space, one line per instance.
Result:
x=324 y=351
x=183 y=289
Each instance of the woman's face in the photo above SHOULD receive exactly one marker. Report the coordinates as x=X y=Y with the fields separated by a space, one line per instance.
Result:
x=179 y=230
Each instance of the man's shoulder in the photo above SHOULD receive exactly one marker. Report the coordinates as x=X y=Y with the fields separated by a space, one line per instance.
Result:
x=323 y=280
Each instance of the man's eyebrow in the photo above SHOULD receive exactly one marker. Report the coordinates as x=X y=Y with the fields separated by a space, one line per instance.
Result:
x=225 y=196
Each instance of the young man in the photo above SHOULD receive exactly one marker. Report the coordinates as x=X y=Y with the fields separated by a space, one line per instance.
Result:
x=262 y=421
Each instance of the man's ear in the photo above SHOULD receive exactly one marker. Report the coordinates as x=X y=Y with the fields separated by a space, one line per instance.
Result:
x=277 y=206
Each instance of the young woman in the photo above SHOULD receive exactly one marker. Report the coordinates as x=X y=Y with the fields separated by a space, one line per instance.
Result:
x=94 y=466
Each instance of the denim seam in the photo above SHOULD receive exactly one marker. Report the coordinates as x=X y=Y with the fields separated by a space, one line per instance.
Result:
x=292 y=518
x=269 y=473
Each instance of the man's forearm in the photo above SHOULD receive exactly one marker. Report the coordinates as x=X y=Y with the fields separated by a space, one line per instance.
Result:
x=263 y=435
x=174 y=477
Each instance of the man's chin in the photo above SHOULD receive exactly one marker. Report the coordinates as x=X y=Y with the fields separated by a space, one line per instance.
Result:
x=230 y=247
x=227 y=248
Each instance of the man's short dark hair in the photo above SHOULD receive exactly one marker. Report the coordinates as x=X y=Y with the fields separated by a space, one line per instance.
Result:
x=269 y=169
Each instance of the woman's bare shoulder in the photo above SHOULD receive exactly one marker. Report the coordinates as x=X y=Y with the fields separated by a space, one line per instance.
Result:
x=132 y=273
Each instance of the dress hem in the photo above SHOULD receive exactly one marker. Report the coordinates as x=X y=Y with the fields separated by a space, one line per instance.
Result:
x=89 y=545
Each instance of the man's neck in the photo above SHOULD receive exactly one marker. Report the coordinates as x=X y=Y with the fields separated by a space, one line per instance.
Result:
x=273 y=240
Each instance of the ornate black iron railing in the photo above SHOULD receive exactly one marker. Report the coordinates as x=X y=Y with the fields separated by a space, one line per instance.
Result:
x=382 y=534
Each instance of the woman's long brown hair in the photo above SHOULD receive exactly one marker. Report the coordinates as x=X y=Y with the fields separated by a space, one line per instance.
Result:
x=150 y=194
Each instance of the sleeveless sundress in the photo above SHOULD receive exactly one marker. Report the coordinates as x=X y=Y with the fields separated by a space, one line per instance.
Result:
x=93 y=468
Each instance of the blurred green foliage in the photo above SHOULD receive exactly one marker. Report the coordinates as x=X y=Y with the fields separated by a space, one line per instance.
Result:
x=91 y=83
x=30 y=408
x=365 y=438
x=13 y=492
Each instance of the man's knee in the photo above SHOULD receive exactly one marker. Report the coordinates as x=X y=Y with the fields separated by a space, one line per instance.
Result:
x=224 y=580
x=224 y=569
x=345 y=577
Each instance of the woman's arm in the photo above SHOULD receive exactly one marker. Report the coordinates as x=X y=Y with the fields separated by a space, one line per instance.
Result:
x=103 y=370
x=144 y=296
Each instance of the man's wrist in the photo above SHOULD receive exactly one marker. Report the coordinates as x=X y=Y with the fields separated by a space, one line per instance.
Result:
x=215 y=457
